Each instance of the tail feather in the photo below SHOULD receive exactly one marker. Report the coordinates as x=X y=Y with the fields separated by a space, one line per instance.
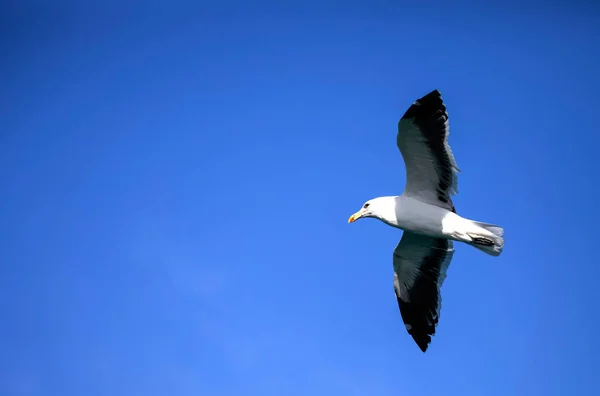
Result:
x=494 y=234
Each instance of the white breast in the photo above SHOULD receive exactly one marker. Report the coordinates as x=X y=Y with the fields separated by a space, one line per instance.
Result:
x=422 y=218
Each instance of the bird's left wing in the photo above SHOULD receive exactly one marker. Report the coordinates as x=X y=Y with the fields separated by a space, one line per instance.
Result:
x=431 y=170
x=420 y=265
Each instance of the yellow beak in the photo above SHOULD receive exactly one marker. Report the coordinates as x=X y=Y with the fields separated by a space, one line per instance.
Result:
x=355 y=217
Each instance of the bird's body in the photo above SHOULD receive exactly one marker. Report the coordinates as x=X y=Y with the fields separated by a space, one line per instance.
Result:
x=412 y=215
x=427 y=215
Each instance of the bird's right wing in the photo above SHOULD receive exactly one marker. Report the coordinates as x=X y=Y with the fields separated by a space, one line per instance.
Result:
x=420 y=265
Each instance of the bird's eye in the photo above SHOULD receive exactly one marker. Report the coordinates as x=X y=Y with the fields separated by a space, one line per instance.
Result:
x=366 y=205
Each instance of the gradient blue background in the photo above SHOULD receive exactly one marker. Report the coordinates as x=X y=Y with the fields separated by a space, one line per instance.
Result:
x=176 y=182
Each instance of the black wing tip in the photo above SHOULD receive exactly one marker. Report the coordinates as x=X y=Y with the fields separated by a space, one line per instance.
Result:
x=417 y=325
x=433 y=94
x=426 y=106
x=423 y=344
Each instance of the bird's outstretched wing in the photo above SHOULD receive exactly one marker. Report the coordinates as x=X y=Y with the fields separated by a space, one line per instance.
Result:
x=420 y=264
x=431 y=170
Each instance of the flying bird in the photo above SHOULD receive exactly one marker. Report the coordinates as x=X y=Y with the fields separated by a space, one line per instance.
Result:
x=427 y=216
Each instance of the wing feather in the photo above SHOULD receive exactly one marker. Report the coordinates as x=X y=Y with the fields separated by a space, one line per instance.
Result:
x=431 y=169
x=420 y=265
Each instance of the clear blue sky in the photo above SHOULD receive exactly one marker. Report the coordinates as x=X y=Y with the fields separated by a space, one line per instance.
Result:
x=176 y=183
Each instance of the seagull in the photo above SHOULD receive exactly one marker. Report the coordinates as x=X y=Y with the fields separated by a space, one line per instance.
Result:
x=427 y=216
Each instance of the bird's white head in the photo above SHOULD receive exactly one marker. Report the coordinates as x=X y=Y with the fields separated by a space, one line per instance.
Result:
x=382 y=208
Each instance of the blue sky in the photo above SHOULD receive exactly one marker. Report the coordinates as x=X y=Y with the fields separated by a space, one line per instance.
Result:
x=177 y=181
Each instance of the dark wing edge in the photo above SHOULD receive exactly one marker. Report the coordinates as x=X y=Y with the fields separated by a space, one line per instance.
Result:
x=420 y=265
x=430 y=116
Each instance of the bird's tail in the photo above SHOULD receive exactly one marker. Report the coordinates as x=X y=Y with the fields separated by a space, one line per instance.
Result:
x=488 y=239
